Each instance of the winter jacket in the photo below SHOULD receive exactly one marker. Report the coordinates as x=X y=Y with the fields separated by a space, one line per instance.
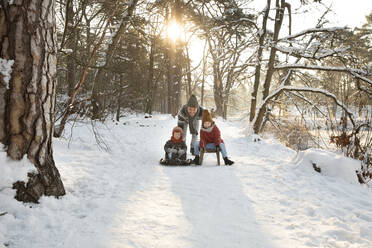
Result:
x=179 y=147
x=210 y=135
x=184 y=119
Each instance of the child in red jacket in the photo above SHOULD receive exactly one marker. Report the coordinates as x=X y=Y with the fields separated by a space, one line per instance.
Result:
x=210 y=138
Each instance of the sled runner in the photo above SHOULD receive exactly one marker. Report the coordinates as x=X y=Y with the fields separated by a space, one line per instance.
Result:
x=175 y=162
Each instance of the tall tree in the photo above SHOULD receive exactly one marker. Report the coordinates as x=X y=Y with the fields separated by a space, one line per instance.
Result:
x=227 y=33
x=28 y=37
x=97 y=93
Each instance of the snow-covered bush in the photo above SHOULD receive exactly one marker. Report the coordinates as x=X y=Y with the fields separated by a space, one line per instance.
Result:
x=292 y=133
x=329 y=164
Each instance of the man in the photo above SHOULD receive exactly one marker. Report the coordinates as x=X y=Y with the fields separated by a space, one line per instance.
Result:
x=189 y=115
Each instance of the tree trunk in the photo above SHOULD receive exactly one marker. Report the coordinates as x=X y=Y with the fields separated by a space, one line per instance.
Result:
x=270 y=70
x=177 y=71
x=203 y=78
x=118 y=109
x=150 y=79
x=259 y=61
x=224 y=114
x=98 y=87
x=217 y=90
x=169 y=82
x=28 y=36
x=188 y=68
x=71 y=44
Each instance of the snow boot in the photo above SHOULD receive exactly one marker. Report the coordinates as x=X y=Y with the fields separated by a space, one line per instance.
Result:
x=192 y=150
x=196 y=160
x=228 y=161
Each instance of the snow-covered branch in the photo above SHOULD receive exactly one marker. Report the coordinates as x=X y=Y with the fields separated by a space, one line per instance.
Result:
x=316 y=54
x=306 y=89
x=312 y=30
x=361 y=74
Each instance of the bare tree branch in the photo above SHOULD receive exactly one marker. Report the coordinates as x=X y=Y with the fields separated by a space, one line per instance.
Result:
x=355 y=72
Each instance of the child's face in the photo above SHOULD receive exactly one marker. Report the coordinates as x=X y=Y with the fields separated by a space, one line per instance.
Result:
x=177 y=135
x=207 y=124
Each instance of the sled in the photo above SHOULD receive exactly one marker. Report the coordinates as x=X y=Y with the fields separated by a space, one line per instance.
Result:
x=216 y=151
x=175 y=162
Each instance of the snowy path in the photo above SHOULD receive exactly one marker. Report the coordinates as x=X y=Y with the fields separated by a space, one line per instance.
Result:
x=124 y=199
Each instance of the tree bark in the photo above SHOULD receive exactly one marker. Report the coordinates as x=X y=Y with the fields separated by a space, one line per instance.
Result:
x=188 y=68
x=257 y=74
x=71 y=44
x=270 y=70
x=217 y=90
x=28 y=36
x=203 y=76
x=150 y=79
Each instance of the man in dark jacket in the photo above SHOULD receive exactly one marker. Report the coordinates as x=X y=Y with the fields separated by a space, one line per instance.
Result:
x=190 y=115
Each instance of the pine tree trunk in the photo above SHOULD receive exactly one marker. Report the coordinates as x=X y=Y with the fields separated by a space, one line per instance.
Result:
x=150 y=80
x=71 y=44
x=28 y=36
x=99 y=82
x=217 y=90
x=189 y=79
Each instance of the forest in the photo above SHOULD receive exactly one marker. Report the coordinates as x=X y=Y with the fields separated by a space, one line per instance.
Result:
x=281 y=68
x=91 y=90
x=308 y=85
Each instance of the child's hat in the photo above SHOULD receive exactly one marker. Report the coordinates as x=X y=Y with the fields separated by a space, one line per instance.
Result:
x=207 y=117
x=177 y=130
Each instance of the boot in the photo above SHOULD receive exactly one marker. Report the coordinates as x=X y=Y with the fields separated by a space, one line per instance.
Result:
x=192 y=150
x=196 y=160
x=228 y=161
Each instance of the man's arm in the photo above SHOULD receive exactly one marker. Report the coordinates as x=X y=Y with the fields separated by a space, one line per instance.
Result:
x=183 y=121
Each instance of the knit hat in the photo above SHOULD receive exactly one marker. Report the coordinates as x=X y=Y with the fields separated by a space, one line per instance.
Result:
x=207 y=117
x=193 y=102
x=176 y=130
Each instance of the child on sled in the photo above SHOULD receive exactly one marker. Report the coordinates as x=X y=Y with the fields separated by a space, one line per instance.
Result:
x=210 y=138
x=175 y=149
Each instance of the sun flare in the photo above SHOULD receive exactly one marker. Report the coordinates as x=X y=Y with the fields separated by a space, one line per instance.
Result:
x=175 y=31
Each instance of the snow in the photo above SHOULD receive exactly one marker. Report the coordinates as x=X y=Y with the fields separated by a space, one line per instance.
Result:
x=11 y=171
x=313 y=30
x=331 y=164
x=270 y=197
x=6 y=70
x=67 y=50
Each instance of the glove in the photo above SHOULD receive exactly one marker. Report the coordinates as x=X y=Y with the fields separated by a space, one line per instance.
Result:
x=171 y=150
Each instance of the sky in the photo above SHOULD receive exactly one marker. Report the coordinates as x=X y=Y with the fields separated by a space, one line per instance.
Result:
x=351 y=13
x=345 y=13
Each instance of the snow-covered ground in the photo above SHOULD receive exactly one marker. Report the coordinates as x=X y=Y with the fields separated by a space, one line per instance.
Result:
x=270 y=197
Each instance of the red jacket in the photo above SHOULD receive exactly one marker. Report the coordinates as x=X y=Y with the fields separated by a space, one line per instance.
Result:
x=212 y=136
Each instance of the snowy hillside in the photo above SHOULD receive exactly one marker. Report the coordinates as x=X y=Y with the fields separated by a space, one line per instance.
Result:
x=270 y=197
